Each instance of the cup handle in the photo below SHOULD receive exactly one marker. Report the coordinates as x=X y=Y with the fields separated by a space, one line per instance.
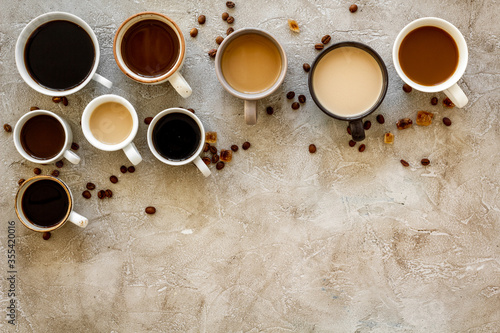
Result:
x=78 y=219
x=72 y=157
x=132 y=154
x=457 y=96
x=102 y=80
x=202 y=166
x=357 y=130
x=180 y=84
x=250 y=112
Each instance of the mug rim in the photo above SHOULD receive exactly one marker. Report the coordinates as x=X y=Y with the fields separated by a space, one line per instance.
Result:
x=90 y=108
x=141 y=17
x=151 y=127
x=32 y=226
x=374 y=55
x=19 y=126
x=228 y=87
x=21 y=46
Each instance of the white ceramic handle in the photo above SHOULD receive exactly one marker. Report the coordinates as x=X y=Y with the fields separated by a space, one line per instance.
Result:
x=250 y=112
x=133 y=154
x=180 y=84
x=102 y=80
x=72 y=157
x=457 y=96
x=78 y=219
x=202 y=166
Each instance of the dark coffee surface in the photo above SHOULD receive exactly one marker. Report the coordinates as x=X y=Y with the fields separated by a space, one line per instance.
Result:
x=150 y=48
x=45 y=203
x=59 y=55
x=176 y=136
x=43 y=137
x=428 y=56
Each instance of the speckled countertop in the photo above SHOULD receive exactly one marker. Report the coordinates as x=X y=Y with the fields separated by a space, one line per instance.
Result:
x=280 y=240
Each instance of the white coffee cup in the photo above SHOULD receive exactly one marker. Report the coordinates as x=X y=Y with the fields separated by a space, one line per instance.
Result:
x=195 y=157
x=65 y=151
x=25 y=35
x=127 y=145
x=450 y=86
x=173 y=75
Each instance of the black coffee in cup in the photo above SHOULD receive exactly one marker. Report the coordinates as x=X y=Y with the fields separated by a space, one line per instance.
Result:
x=42 y=137
x=59 y=55
x=176 y=136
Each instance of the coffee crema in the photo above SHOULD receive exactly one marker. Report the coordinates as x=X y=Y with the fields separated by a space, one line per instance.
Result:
x=347 y=81
x=111 y=123
x=42 y=137
x=251 y=63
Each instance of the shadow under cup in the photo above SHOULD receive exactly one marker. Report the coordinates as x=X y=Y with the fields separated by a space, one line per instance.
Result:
x=348 y=81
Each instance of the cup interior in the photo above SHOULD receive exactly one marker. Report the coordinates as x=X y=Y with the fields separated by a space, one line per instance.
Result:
x=118 y=40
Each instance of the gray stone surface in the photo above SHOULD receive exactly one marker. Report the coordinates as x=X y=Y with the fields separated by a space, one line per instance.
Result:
x=280 y=240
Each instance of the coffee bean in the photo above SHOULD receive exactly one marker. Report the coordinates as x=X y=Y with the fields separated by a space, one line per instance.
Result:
x=206 y=147
x=64 y=100
x=234 y=148
x=269 y=110
x=312 y=148
x=33 y=108
x=219 y=39
x=213 y=149
x=86 y=194
x=150 y=210
x=245 y=145
x=194 y=32
x=230 y=4
x=404 y=123
x=230 y=20
x=131 y=169
x=21 y=181
x=326 y=39
x=101 y=194
x=109 y=193
x=90 y=186
x=446 y=121
x=75 y=146
x=229 y=31
x=380 y=119
x=302 y=99
x=215 y=158
x=123 y=169
x=46 y=235
x=113 y=179
x=295 y=105
x=206 y=160
x=202 y=19
x=349 y=130
x=220 y=165
x=59 y=164
x=7 y=128
x=434 y=100
x=37 y=171
x=353 y=8
x=191 y=110
x=367 y=125
x=212 y=53
x=352 y=143
x=148 y=120
x=319 y=46
x=448 y=103
x=56 y=99
x=362 y=148
x=407 y=88
x=55 y=173
x=306 y=67
x=425 y=162
x=290 y=95
x=404 y=163
x=225 y=15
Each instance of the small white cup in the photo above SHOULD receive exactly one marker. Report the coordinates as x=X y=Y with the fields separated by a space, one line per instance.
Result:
x=65 y=151
x=127 y=145
x=195 y=158
x=26 y=33
x=450 y=86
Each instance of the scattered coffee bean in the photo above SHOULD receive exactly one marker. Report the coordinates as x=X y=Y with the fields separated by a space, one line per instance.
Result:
x=234 y=148
x=191 y=110
x=123 y=169
x=64 y=100
x=353 y=8
x=113 y=179
x=131 y=169
x=352 y=143
x=269 y=110
x=380 y=119
x=290 y=95
x=306 y=67
x=59 y=164
x=225 y=15
x=109 y=193
x=101 y=194
x=206 y=160
x=362 y=148
x=90 y=186
x=219 y=165
x=213 y=149
x=148 y=120
x=349 y=130
x=404 y=123
x=212 y=53
x=302 y=99
x=230 y=20
x=56 y=99
x=55 y=173
x=367 y=125
x=446 y=121
x=319 y=46
x=33 y=108
x=407 y=88
x=37 y=171
x=219 y=39
x=7 y=128
x=312 y=148
x=215 y=158
x=245 y=145
x=425 y=162
x=194 y=32
x=46 y=235
x=434 y=100
x=202 y=19
x=206 y=147
x=150 y=210
x=326 y=39
x=21 y=181
x=448 y=103
x=75 y=146
x=404 y=163
x=86 y=194
x=229 y=31
x=230 y=4
x=295 y=105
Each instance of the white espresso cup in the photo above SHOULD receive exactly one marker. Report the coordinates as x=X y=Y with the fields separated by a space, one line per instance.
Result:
x=58 y=200
x=26 y=34
x=193 y=156
x=63 y=152
x=450 y=86
x=127 y=145
x=172 y=75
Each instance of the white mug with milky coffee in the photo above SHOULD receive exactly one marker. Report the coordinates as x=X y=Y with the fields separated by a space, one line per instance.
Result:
x=110 y=123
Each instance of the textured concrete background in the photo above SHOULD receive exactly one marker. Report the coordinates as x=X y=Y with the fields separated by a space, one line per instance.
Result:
x=280 y=240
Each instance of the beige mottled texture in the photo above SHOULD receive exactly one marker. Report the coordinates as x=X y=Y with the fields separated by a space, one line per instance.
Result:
x=280 y=240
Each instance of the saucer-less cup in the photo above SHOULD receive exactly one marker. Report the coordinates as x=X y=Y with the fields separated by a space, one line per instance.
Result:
x=250 y=105
x=70 y=215
x=68 y=139
x=195 y=156
x=450 y=86
x=127 y=145
x=173 y=75
x=25 y=35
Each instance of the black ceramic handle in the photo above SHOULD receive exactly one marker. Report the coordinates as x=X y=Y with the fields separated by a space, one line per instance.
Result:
x=357 y=130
